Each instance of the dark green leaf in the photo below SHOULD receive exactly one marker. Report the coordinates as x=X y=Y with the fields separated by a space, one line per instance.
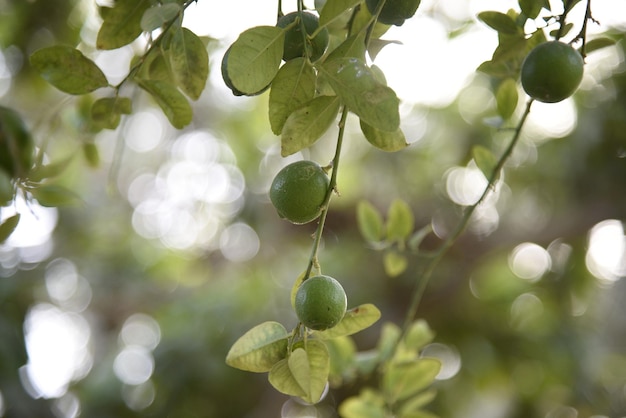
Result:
x=307 y=124
x=531 y=8
x=122 y=23
x=172 y=102
x=92 y=156
x=8 y=226
x=189 y=62
x=562 y=32
x=356 y=85
x=384 y=140
x=259 y=349
x=52 y=195
x=293 y=86
x=107 y=112
x=500 y=22
x=506 y=98
x=352 y=47
x=68 y=69
x=6 y=188
x=598 y=43
x=255 y=57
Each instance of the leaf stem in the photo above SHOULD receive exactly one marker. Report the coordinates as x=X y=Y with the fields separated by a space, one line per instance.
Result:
x=462 y=225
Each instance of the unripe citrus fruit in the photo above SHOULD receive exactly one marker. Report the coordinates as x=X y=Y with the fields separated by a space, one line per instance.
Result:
x=298 y=191
x=320 y=302
x=294 y=41
x=552 y=72
x=394 y=12
x=229 y=82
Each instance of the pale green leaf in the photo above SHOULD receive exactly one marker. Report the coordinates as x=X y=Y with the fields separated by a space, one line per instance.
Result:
x=356 y=85
x=417 y=414
x=412 y=406
x=255 y=57
x=506 y=98
x=293 y=86
x=355 y=320
x=418 y=335
x=283 y=380
x=362 y=407
x=67 y=69
x=404 y=379
x=394 y=263
x=369 y=221
x=308 y=123
x=122 y=23
x=51 y=170
x=342 y=351
x=400 y=220
x=500 y=22
x=173 y=103
x=310 y=367
x=259 y=349
x=107 y=112
x=485 y=160
x=388 y=340
x=52 y=195
x=8 y=226
x=384 y=140
x=352 y=47
x=92 y=156
x=157 y=16
x=334 y=9
x=189 y=62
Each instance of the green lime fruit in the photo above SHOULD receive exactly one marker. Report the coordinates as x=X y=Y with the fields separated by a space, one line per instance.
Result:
x=298 y=191
x=320 y=302
x=17 y=148
x=229 y=82
x=552 y=72
x=394 y=12
x=294 y=41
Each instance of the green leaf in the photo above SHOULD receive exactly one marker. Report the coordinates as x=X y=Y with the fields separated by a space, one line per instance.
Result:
x=369 y=221
x=304 y=374
x=405 y=379
x=352 y=47
x=51 y=170
x=92 y=156
x=8 y=226
x=255 y=57
x=121 y=24
x=334 y=9
x=67 y=69
x=259 y=349
x=355 y=320
x=400 y=220
x=496 y=69
x=411 y=408
x=6 y=188
x=189 y=62
x=384 y=140
x=389 y=336
x=173 y=103
x=500 y=22
x=342 y=352
x=293 y=86
x=307 y=124
x=310 y=367
x=506 y=98
x=357 y=86
x=485 y=160
x=363 y=406
x=598 y=43
x=155 y=67
x=157 y=16
x=418 y=335
x=394 y=263
x=417 y=414
x=52 y=195
x=107 y=112
x=531 y=8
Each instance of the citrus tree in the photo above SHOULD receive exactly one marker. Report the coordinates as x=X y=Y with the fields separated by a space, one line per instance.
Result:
x=315 y=69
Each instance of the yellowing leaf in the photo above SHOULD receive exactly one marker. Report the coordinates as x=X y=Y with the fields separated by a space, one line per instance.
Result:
x=259 y=349
x=394 y=263
x=310 y=367
x=355 y=320
x=68 y=69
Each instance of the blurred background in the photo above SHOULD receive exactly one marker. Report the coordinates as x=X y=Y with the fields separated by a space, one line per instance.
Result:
x=126 y=305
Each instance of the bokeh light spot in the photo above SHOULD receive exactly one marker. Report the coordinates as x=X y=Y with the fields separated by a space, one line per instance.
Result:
x=239 y=242
x=529 y=261
x=141 y=330
x=606 y=253
x=133 y=365
x=448 y=356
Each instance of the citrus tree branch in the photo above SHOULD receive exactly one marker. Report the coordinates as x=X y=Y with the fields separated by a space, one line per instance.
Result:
x=463 y=223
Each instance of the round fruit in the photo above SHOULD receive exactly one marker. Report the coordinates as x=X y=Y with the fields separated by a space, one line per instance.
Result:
x=552 y=71
x=298 y=191
x=294 y=42
x=320 y=302
x=16 y=144
x=394 y=12
x=229 y=82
